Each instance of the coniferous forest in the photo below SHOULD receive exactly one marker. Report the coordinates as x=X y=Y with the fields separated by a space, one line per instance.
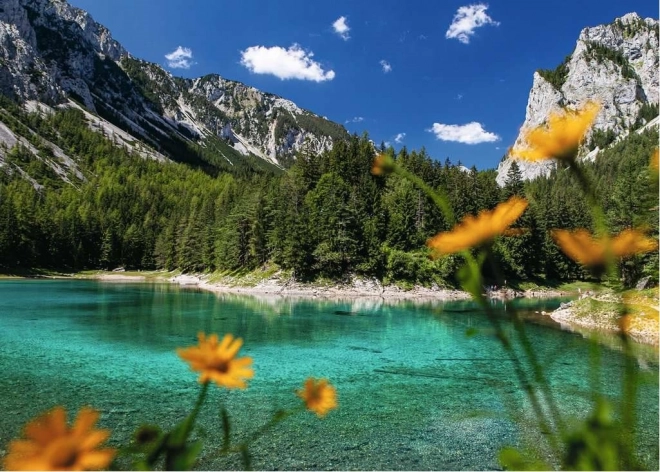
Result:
x=326 y=216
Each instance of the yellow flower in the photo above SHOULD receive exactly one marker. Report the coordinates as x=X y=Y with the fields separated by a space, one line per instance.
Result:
x=473 y=231
x=383 y=165
x=560 y=137
x=52 y=445
x=319 y=397
x=580 y=246
x=217 y=361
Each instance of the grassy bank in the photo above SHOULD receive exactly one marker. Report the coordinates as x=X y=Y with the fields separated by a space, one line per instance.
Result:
x=603 y=312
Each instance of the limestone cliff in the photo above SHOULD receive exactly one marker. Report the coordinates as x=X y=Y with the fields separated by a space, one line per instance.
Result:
x=614 y=64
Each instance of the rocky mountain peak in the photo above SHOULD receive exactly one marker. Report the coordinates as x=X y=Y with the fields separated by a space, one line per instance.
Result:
x=53 y=52
x=614 y=64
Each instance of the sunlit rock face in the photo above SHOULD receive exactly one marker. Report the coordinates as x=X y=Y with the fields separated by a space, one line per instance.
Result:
x=614 y=64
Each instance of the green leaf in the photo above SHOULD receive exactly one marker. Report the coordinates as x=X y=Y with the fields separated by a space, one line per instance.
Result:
x=245 y=456
x=179 y=434
x=146 y=435
x=184 y=458
x=471 y=332
x=512 y=459
x=226 y=429
x=470 y=279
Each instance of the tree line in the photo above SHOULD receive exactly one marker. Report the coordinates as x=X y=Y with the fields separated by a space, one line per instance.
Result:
x=327 y=216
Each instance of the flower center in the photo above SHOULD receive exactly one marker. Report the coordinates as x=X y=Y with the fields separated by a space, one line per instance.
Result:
x=64 y=454
x=221 y=365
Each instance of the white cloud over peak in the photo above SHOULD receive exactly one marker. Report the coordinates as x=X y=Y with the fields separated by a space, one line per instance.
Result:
x=180 y=58
x=471 y=133
x=399 y=138
x=355 y=119
x=387 y=67
x=341 y=28
x=291 y=63
x=466 y=20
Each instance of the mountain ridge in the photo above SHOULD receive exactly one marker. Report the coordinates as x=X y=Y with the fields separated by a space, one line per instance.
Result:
x=52 y=52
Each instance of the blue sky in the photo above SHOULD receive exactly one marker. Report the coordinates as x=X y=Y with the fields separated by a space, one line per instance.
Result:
x=449 y=75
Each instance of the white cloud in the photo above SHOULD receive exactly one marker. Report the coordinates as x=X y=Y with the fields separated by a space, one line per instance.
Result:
x=466 y=20
x=471 y=133
x=387 y=144
x=459 y=96
x=355 y=119
x=292 y=63
x=180 y=58
x=341 y=28
x=387 y=67
x=399 y=138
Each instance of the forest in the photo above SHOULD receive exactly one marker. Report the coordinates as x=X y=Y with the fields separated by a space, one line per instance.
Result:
x=326 y=216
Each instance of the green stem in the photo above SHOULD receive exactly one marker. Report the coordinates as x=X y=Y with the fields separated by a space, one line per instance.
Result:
x=278 y=417
x=630 y=380
x=539 y=376
x=442 y=201
x=524 y=381
x=190 y=421
x=597 y=214
x=176 y=438
x=438 y=196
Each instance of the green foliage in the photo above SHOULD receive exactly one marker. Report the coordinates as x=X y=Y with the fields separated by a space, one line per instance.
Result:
x=558 y=75
x=601 y=139
x=514 y=181
x=327 y=216
x=597 y=444
x=601 y=53
x=308 y=122
x=152 y=85
x=647 y=112
x=632 y=27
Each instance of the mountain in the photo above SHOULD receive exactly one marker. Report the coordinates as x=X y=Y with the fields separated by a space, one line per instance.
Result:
x=55 y=54
x=615 y=64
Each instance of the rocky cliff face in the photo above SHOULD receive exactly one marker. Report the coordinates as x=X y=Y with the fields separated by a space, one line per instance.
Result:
x=614 y=64
x=52 y=52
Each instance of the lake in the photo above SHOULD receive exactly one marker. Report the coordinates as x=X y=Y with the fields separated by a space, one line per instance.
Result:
x=415 y=392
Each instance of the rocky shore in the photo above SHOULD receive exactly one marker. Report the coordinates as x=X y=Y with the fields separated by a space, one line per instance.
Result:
x=357 y=287
x=601 y=313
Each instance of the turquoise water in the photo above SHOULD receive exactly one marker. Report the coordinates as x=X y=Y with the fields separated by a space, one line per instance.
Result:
x=415 y=392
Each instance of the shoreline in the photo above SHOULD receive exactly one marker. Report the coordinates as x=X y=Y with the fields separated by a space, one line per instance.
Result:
x=358 y=288
x=565 y=316
x=606 y=322
x=369 y=289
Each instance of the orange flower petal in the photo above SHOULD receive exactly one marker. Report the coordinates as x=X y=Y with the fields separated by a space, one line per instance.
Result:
x=87 y=418
x=94 y=438
x=582 y=247
x=383 y=165
x=216 y=361
x=52 y=445
x=473 y=231
x=560 y=137
x=47 y=426
x=319 y=397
